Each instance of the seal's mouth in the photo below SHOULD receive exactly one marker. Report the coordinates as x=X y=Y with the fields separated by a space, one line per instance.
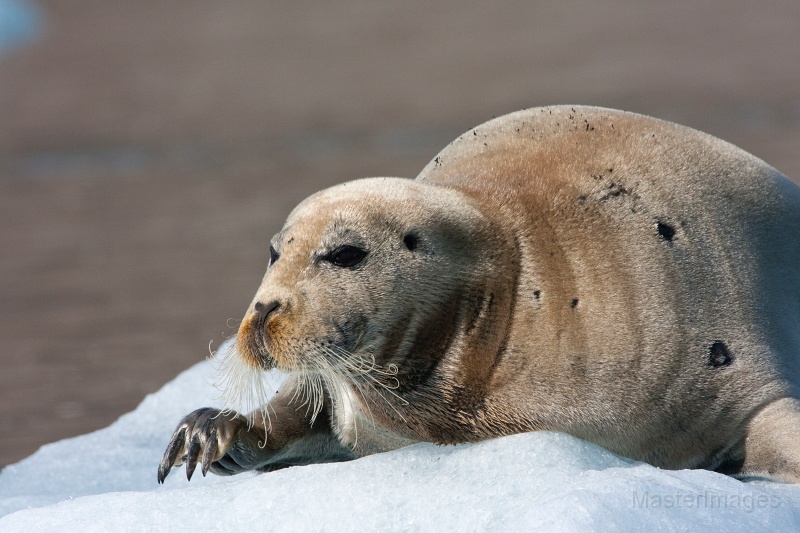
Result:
x=340 y=362
x=251 y=343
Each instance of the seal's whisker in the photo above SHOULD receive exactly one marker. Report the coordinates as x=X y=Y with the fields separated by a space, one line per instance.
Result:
x=360 y=365
x=373 y=383
x=298 y=391
x=346 y=377
x=338 y=382
x=387 y=402
x=376 y=381
x=312 y=378
x=242 y=388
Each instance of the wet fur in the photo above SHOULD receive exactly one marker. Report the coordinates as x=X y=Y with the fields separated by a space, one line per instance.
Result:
x=626 y=280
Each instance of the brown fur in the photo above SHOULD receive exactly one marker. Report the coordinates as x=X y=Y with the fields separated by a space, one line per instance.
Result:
x=626 y=280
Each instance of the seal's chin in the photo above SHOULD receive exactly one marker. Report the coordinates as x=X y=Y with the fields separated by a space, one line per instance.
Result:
x=251 y=347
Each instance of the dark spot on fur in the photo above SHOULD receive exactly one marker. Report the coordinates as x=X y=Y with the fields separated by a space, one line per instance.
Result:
x=614 y=190
x=719 y=355
x=537 y=299
x=666 y=231
x=411 y=241
x=574 y=303
x=582 y=199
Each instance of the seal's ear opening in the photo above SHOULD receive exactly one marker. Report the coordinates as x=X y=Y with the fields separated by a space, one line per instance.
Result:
x=411 y=241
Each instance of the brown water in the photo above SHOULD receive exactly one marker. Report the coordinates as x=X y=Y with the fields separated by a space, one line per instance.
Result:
x=149 y=150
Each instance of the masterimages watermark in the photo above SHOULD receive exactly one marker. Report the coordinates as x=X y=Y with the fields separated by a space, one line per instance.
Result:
x=705 y=500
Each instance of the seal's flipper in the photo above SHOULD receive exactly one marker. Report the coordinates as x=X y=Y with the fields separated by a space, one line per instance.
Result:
x=772 y=444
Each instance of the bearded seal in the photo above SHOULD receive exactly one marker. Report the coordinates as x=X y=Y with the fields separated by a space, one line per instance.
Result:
x=629 y=281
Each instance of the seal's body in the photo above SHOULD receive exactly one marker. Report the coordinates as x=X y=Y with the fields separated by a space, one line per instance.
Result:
x=629 y=281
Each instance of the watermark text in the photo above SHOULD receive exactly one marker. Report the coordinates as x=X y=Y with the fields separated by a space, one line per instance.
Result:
x=705 y=500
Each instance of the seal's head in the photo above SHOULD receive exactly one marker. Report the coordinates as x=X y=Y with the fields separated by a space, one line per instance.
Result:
x=371 y=276
x=347 y=272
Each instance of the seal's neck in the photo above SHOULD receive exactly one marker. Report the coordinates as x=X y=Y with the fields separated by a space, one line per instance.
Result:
x=447 y=351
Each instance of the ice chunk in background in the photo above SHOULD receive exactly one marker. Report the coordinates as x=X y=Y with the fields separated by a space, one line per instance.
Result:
x=106 y=481
x=20 y=23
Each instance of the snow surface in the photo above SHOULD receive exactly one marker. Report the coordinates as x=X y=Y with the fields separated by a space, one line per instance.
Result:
x=106 y=481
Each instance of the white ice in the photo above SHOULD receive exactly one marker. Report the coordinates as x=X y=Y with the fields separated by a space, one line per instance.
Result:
x=106 y=481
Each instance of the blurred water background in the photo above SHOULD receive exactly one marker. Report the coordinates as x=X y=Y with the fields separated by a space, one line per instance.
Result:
x=148 y=150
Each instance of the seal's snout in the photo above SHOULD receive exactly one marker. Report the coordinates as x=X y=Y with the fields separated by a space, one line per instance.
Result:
x=251 y=339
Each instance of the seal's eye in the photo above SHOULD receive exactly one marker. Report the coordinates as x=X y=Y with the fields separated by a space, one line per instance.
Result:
x=346 y=256
x=273 y=255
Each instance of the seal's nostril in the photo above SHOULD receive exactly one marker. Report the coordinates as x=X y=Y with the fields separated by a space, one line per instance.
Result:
x=266 y=309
